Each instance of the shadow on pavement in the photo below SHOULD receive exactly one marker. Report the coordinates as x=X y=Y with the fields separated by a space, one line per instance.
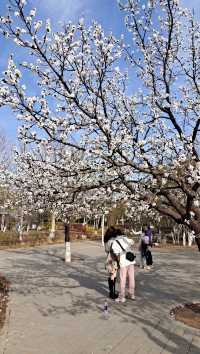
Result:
x=81 y=288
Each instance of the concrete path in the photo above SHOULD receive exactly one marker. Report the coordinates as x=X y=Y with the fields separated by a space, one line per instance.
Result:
x=56 y=308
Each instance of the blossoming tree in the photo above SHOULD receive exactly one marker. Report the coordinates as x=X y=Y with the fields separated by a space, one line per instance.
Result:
x=145 y=144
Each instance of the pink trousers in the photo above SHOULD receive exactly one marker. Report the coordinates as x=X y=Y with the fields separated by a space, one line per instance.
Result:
x=124 y=272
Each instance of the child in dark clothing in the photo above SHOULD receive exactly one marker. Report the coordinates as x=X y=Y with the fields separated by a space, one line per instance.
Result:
x=111 y=262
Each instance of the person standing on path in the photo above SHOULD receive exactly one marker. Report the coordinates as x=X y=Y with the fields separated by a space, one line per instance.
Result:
x=142 y=250
x=120 y=246
x=145 y=253
x=111 y=261
x=149 y=241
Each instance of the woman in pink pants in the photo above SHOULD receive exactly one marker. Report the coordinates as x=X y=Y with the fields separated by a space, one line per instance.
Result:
x=120 y=246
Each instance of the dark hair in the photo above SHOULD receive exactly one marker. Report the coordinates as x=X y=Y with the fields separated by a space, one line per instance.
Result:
x=119 y=232
x=110 y=233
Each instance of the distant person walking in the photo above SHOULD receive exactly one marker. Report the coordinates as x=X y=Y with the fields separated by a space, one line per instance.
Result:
x=121 y=246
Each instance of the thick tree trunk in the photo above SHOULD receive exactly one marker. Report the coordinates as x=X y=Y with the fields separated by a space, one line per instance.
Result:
x=195 y=226
x=197 y=239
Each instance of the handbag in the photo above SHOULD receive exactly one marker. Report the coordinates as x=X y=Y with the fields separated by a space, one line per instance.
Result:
x=129 y=255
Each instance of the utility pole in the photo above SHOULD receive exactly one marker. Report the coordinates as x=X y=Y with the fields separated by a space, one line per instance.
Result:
x=67 y=243
x=102 y=228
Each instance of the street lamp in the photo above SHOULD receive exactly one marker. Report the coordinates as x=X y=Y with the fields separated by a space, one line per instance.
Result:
x=67 y=243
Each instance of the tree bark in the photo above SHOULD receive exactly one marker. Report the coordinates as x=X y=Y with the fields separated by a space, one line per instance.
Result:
x=195 y=226
x=198 y=243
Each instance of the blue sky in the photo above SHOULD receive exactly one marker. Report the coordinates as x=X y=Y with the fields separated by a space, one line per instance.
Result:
x=104 y=11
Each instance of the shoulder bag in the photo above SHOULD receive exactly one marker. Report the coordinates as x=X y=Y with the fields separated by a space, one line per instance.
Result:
x=129 y=255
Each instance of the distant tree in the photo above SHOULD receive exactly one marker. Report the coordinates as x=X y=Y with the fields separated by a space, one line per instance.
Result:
x=5 y=167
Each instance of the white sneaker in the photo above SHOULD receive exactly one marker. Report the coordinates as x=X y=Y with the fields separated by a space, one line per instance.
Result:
x=120 y=299
x=131 y=297
x=147 y=268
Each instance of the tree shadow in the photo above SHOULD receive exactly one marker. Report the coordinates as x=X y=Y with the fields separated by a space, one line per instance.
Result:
x=81 y=288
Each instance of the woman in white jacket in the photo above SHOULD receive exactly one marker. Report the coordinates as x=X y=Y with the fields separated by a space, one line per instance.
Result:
x=120 y=246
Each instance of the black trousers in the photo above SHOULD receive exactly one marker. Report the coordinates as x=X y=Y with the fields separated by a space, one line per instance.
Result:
x=111 y=285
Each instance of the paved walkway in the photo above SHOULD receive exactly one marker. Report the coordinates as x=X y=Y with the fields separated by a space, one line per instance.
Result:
x=56 y=308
